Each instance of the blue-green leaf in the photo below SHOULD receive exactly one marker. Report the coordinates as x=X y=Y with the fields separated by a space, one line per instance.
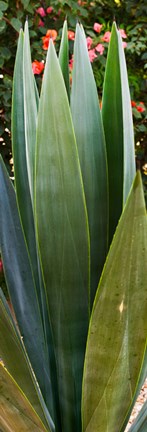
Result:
x=92 y=153
x=118 y=128
x=63 y=239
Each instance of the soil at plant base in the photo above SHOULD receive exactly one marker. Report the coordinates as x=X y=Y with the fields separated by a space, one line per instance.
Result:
x=138 y=405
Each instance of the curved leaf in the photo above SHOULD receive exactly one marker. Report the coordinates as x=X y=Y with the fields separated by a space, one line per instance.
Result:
x=20 y=284
x=92 y=153
x=117 y=332
x=12 y=348
x=63 y=240
x=16 y=413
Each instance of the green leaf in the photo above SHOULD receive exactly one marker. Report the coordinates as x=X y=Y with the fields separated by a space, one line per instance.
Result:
x=20 y=163
x=92 y=153
x=118 y=127
x=3 y=6
x=63 y=240
x=16 y=411
x=140 y=424
x=117 y=332
x=2 y=26
x=16 y=24
x=20 y=284
x=64 y=57
x=5 y=52
x=20 y=122
x=12 y=348
x=30 y=110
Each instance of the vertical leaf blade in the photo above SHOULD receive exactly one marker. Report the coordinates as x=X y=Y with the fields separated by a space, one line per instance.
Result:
x=64 y=57
x=117 y=332
x=20 y=163
x=30 y=110
x=128 y=132
x=63 y=242
x=118 y=128
x=92 y=153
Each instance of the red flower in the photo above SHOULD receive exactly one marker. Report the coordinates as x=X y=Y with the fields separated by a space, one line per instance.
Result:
x=41 y=23
x=51 y=34
x=140 y=107
x=133 y=104
x=37 y=67
x=41 y=12
x=71 y=35
x=71 y=63
x=49 y=10
x=97 y=27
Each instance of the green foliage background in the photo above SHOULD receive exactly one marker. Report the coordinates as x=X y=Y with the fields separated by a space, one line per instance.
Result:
x=130 y=15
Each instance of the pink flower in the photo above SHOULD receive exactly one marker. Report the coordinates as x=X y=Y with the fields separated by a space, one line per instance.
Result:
x=123 y=34
x=37 y=67
x=97 y=27
x=49 y=10
x=41 y=23
x=92 y=55
x=1 y=266
x=106 y=37
x=41 y=12
x=100 y=48
x=89 y=42
x=124 y=44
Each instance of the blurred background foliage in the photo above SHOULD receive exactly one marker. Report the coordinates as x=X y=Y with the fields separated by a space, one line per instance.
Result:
x=130 y=16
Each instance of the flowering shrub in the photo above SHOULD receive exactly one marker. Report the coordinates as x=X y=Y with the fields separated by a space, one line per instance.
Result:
x=46 y=21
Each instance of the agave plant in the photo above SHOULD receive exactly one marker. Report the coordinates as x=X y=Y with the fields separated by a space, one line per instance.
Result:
x=73 y=236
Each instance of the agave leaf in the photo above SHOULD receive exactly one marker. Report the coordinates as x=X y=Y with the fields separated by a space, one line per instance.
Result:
x=63 y=242
x=117 y=332
x=140 y=424
x=118 y=127
x=30 y=110
x=15 y=359
x=92 y=153
x=20 y=284
x=16 y=412
x=20 y=163
x=64 y=57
